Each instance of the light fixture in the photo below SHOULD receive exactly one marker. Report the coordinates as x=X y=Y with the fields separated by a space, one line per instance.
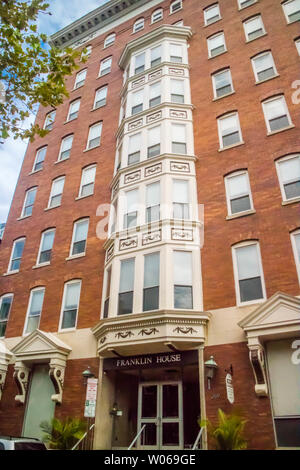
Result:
x=87 y=374
x=211 y=366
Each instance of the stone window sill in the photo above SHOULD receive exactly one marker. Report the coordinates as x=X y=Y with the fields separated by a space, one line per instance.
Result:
x=83 y=197
x=93 y=148
x=254 y=39
x=50 y=208
x=231 y=146
x=81 y=255
x=267 y=79
x=214 y=22
x=241 y=214
x=24 y=217
x=221 y=53
x=290 y=201
x=41 y=265
x=281 y=130
x=224 y=96
x=10 y=273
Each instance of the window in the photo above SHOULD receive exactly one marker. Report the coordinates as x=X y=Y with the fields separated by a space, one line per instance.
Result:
x=73 y=110
x=46 y=246
x=216 y=45
x=288 y=170
x=87 y=53
x=152 y=202
x=297 y=42
x=157 y=15
x=16 y=255
x=130 y=217
x=229 y=130
x=177 y=91
x=245 y=3
x=139 y=63
x=178 y=23
x=109 y=40
x=70 y=307
x=137 y=102
x=107 y=293
x=276 y=114
x=34 y=311
x=134 y=148
x=156 y=56
x=264 y=67
x=39 y=159
x=56 y=192
x=180 y=199
x=49 y=120
x=295 y=237
x=254 y=28
x=29 y=202
x=248 y=272
x=212 y=14
x=100 y=97
x=65 y=148
x=139 y=25
x=183 y=279
x=222 y=83
x=126 y=286
x=105 y=66
x=94 y=137
x=238 y=193
x=175 y=6
x=178 y=139
x=80 y=78
x=176 y=53
x=292 y=10
x=154 y=139
x=155 y=94
x=87 y=181
x=151 y=282
x=80 y=233
x=5 y=307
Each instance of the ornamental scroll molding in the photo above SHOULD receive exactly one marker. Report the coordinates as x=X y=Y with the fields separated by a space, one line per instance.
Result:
x=153 y=170
x=156 y=74
x=184 y=330
x=5 y=357
x=132 y=177
x=148 y=331
x=139 y=82
x=175 y=71
x=57 y=375
x=21 y=377
x=180 y=167
x=257 y=359
x=176 y=113
x=126 y=243
x=153 y=117
x=135 y=124
x=152 y=237
x=124 y=334
x=179 y=234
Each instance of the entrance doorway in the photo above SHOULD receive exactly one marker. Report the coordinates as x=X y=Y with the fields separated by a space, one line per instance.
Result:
x=160 y=410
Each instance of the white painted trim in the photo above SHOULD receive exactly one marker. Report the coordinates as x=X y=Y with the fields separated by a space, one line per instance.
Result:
x=73 y=237
x=277 y=163
x=296 y=254
x=40 y=247
x=267 y=53
x=226 y=180
x=274 y=98
x=73 y=281
x=9 y=294
x=36 y=289
x=11 y=255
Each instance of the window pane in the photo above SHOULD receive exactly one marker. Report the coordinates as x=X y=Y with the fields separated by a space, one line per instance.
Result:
x=183 y=268
x=248 y=262
x=292 y=190
x=153 y=194
x=32 y=323
x=151 y=270
x=36 y=302
x=154 y=136
x=183 y=297
x=88 y=175
x=5 y=307
x=238 y=185
x=151 y=299
x=127 y=275
x=250 y=289
x=149 y=402
x=223 y=83
x=48 y=238
x=81 y=230
x=212 y=14
x=69 y=318
x=18 y=249
x=290 y=170
x=125 y=303
x=180 y=191
x=240 y=204
x=72 y=296
x=156 y=55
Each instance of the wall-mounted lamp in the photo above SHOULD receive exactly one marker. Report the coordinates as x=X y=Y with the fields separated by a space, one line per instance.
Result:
x=87 y=374
x=115 y=411
x=211 y=366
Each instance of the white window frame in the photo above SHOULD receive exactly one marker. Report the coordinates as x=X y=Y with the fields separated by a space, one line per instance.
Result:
x=239 y=303
x=9 y=294
x=297 y=44
x=108 y=59
x=139 y=25
x=249 y=21
x=209 y=48
x=220 y=131
x=281 y=184
x=73 y=281
x=70 y=107
x=79 y=255
x=98 y=137
x=156 y=12
x=87 y=168
x=173 y=4
x=9 y=270
x=36 y=289
x=47 y=118
x=105 y=87
x=79 y=83
x=285 y=13
x=192 y=273
x=240 y=7
x=210 y=8
x=286 y=109
x=40 y=247
x=52 y=185
x=25 y=199
x=214 y=83
x=295 y=252
x=109 y=40
x=267 y=53
x=61 y=148
x=36 y=157
x=228 y=200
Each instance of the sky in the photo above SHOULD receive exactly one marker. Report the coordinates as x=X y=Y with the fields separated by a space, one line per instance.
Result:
x=12 y=151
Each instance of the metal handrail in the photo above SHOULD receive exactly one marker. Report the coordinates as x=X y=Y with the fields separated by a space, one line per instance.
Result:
x=83 y=437
x=136 y=437
x=198 y=439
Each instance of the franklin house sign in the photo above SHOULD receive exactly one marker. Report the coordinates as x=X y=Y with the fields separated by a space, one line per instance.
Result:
x=150 y=361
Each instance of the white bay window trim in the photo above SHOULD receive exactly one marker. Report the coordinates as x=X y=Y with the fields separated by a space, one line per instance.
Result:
x=238 y=192
x=288 y=171
x=295 y=240
x=70 y=305
x=276 y=114
x=229 y=128
x=34 y=310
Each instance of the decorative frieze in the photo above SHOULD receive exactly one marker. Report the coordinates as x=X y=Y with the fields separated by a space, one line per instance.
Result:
x=182 y=234
x=185 y=330
x=152 y=237
x=135 y=124
x=124 y=334
x=132 y=177
x=153 y=170
x=126 y=243
x=148 y=331
x=154 y=117
x=178 y=114
x=180 y=167
x=156 y=74
x=176 y=71
x=138 y=82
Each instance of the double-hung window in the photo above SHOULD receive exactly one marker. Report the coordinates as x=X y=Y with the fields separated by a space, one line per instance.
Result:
x=176 y=53
x=154 y=138
x=183 y=279
x=109 y=40
x=56 y=192
x=126 y=287
x=297 y=43
x=139 y=63
x=73 y=110
x=134 y=148
x=46 y=246
x=154 y=94
x=254 y=28
x=292 y=10
x=263 y=67
x=177 y=91
x=39 y=159
x=65 y=148
x=70 y=304
x=238 y=193
x=156 y=53
x=107 y=293
x=229 y=130
x=212 y=14
x=5 y=307
x=48 y=125
x=94 y=137
x=216 y=45
x=175 y=6
x=295 y=237
x=131 y=214
x=181 y=199
x=157 y=15
x=276 y=114
x=222 y=83
x=139 y=25
x=80 y=78
x=248 y=272
x=179 y=138
x=151 y=282
x=29 y=202
x=86 y=53
x=100 y=97
x=152 y=202
x=288 y=170
x=245 y=3
x=87 y=181
x=16 y=255
x=80 y=233
x=35 y=307
x=105 y=66
x=137 y=102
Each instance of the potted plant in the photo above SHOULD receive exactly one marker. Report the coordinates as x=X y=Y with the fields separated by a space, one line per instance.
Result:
x=63 y=434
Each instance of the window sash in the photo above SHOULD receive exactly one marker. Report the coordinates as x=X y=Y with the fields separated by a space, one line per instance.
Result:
x=94 y=137
x=66 y=146
x=105 y=66
x=175 y=6
x=139 y=63
x=110 y=40
x=216 y=45
x=157 y=15
x=46 y=246
x=223 y=83
x=292 y=10
x=276 y=114
x=176 y=53
x=71 y=305
x=80 y=78
x=212 y=14
x=29 y=202
x=17 y=254
x=138 y=25
x=80 y=237
x=49 y=120
x=56 y=192
x=39 y=159
x=5 y=307
x=182 y=265
x=100 y=98
x=127 y=275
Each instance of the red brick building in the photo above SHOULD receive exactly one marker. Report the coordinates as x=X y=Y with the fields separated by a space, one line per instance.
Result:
x=184 y=121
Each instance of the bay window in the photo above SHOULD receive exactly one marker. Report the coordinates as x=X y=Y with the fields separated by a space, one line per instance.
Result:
x=151 y=282
x=126 y=288
x=178 y=138
x=152 y=202
x=183 y=279
x=134 y=148
x=154 y=138
x=130 y=217
x=181 y=199
x=177 y=91
x=155 y=94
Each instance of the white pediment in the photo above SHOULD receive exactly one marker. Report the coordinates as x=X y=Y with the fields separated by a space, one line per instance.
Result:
x=5 y=354
x=39 y=342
